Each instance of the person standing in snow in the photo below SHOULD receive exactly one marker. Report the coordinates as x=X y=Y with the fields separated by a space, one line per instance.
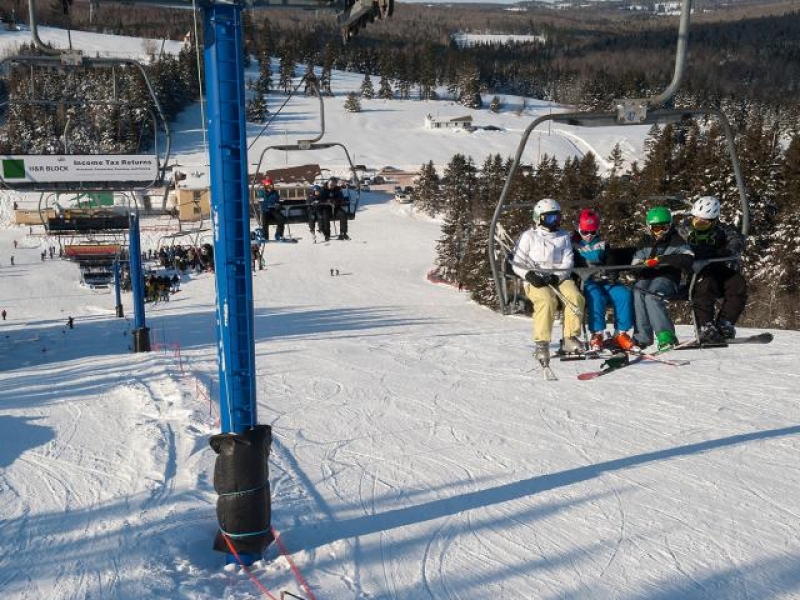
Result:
x=664 y=254
x=710 y=239
x=602 y=288
x=5 y=314
x=544 y=258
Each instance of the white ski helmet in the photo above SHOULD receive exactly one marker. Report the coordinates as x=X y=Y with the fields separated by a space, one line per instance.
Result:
x=546 y=205
x=707 y=208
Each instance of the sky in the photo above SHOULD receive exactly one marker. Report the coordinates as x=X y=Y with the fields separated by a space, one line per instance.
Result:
x=418 y=452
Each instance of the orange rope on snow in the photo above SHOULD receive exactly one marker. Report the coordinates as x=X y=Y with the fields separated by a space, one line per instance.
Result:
x=253 y=578
x=292 y=566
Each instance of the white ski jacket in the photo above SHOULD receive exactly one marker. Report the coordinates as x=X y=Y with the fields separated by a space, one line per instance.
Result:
x=550 y=251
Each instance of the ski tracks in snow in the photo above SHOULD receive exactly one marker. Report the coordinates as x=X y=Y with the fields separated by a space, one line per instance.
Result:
x=88 y=477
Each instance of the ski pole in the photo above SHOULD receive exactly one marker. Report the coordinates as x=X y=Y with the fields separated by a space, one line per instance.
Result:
x=566 y=301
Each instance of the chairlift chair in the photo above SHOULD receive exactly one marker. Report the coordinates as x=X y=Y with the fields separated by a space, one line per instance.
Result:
x=648 y=111
x=296 y=212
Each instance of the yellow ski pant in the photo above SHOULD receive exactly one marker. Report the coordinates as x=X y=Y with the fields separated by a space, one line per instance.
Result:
x=545 y=308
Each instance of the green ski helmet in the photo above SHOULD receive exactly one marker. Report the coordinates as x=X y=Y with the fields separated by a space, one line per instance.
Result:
x=659 y=220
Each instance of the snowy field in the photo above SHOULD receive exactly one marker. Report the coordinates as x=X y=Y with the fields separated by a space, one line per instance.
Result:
x=417 y=452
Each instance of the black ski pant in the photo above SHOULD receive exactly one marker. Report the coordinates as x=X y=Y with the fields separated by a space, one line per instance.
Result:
x=714 y=282
x=273 y=215
x=320 y=214
x=341 y=214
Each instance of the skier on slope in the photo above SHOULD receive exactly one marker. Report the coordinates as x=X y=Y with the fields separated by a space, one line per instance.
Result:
x=711 y=239
x=664 y=255
x=602 y=288
x=544 y=258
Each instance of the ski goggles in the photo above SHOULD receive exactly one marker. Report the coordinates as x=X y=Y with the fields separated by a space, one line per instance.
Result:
x=587 y=234
x=702 y=224
x=552 y=219
x=659 y=229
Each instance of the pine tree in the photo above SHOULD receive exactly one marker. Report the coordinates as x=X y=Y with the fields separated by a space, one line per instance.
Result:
x=588 y=179
x=775 y=278
x=311 y=82
x=352 y=103
x=458 y=226
x=385 y=91
x=256 y=109
x=427 y=74
x=426 y=195
x=264 y=83
x=367 y=89
x=286 y=71
x=328 y=59
x=469 y=87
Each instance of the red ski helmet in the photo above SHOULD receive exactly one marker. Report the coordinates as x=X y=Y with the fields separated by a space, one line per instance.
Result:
x=589 y=221
x=267 y=181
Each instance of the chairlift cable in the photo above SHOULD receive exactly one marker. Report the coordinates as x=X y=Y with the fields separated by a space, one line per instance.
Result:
x=289 y=97
x=200 y=82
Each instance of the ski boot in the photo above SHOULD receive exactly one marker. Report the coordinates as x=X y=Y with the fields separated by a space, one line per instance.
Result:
x=666 y=340
x=709 y=334
x=541 y=352
x=615 y=361
x=597 y=342
x=626 y=343
x=726 y=329
x=572 y=345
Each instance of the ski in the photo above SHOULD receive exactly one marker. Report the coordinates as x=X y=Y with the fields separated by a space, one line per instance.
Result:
x=615 y=363
x=622 y=360
x=757 y=338
x=589 y=355
x=666 y=361
x=547 y=373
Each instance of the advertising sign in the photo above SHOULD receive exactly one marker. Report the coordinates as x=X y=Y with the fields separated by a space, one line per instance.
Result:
x=33 y=169
x=85 y=250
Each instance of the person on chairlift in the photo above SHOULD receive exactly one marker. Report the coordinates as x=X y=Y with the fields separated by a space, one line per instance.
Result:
x=664 y=256
x=318 y=212
x=602 y=287
x=270 y=204
x=711 y=239
x=544 y=258
x=332 y=194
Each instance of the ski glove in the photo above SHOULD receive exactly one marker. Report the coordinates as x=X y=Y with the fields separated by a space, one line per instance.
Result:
x=651 y=262
x=535 y=279
x=539 y=280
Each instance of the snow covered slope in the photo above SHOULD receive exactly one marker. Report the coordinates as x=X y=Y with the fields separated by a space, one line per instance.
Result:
x=417 y=453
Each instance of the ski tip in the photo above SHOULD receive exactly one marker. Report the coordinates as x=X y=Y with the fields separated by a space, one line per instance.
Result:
x=588 y=376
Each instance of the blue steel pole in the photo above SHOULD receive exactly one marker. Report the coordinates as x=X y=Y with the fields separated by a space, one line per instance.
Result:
x=141 y=334
x=230 y=217
x=117 y=290
x=224 y=64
